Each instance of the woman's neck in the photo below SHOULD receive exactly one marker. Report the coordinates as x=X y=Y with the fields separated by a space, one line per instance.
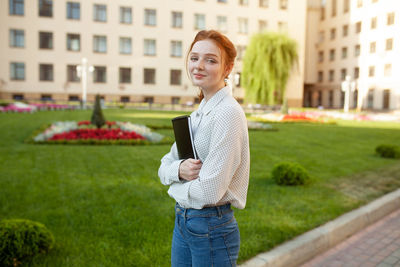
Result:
x=210 y=92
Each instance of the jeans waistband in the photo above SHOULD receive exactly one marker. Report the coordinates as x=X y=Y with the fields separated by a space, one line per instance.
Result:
x=204 y=212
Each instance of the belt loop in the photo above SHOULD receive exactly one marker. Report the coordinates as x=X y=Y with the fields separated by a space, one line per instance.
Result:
x=219 y=212
x=184 y=213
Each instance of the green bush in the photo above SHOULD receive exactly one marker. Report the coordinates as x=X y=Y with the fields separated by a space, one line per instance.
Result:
x=287 y=173
x=388 y=151
x=97 y=115
x=20 y=240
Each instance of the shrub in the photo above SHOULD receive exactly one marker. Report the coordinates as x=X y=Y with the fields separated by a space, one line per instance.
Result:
x=287 y=173
x=20 y=240
x=97 y=115
x=388 y=151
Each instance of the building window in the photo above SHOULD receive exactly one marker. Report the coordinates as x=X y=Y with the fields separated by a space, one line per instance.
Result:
x=388 y=70
x=177 y=19
x=72 y=74
x=199 y=21
x=45 y=40
x=282 y=26
x=343 y=73
x=333 y=33
x=45 y=8
x=357 y=50
x=18 y=97
x=359 y=3
x=222 y=23
x=332 y=54
x=321 y=56
x=149 y=76
x=175 y=100
x=371 y=71
x=330 y=98
x=322 y=13
x=263 y=3
x=243 y=25
x=320 y=76
x=244 y=2
x=222 y=1
x=176 y=48
x=17 y=71
x=100 y=13
x=149 y=47
x=344 y=52
x=175 y=77
x=124 y=75
x=73 y=98
x=16 y=7
x=386 y=99
x=125 y=15
x=390 y=18
x=262 y=25
x=73 y=10
x=100 y=44
x=73 y=42
x=321 y=36
x=46 y=97
x=389 y=44
x=374 y=1
x=373 y=22
x=346 y=6
x=370 y=98
x=149 y=99
x=125 y=45
x=334 y=8
x=17 y=38
x=283 y=4
x=331 y=75
x=99 y=74
x=240 y=49
x=46 y=72
x=356 y=72
x=358 y=27
x=150 y=17
x=345 y=30
x=372 y=47
x=125 y=99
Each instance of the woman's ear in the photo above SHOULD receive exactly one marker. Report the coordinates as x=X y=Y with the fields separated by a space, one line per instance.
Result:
x=228 y=70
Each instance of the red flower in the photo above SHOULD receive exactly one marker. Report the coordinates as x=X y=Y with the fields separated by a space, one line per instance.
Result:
x=99 y=134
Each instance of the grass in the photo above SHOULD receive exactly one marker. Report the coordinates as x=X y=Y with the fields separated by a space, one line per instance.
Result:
x=106 y=206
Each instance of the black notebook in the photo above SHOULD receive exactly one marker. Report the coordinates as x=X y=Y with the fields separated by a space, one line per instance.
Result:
x=183 y=137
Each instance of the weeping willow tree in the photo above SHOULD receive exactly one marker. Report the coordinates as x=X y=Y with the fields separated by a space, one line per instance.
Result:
x=267 y=64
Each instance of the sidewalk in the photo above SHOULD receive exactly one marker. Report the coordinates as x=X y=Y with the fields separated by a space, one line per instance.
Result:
x=377 y=245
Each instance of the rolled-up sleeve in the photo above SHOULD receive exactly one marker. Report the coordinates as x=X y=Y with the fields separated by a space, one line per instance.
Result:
x=169 y=168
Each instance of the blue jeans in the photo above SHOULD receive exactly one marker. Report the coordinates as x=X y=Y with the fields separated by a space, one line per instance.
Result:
x=206 y=237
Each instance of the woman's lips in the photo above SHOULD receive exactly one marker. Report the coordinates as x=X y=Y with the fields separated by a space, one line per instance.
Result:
x=198 y=76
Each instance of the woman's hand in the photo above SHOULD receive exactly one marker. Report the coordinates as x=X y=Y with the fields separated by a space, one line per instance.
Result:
x=190 y=169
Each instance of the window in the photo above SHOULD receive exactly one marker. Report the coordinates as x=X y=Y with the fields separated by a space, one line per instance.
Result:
x=320 y=76
x=386 y=99
x=73 y=98
x=177 y=21
x=344 y=52
x=46 y=97
x=175 y=77
x=149 y=99
x=45 y=8
x=17 y=71
x=359 y=3
x=370 y=98
x=282 y=26
x=176 y=48
x=374 y=1
x=334 y=5
x=222 y=1
x=45 y=40
x=240 y=49
x=356 y=72
x=125 y=15
x=389 y=44
x=343 y=73
x=263 y=3
x=330 y=99
x=244 y=2
x=73 y=42
x=358 y=27
x=125 y=99
x=18 y=97
x=222 y=24
x=73 y=10
x=149 y=76
x=357 y=50
x=283 y=4
x=99 y=74
x=46 y=72
x=388 y=70
x=149 y=47
x=373 y=22
x=372 y=47
x=16 y=7
x=390 y=18
x=332 y=54
x=331 y=75
x=371 y=71
x=125 y=45
x=150 y=17
x=199 y=21
x=345 y=30
x=124 y=75
x=321 y=36
x=333 y=33
x=346 y=6
x=262 y=25
x=99 y=44
x=321 y=56
x=17 y=38
x=72 y=74
x=319 y=98
x=99 y=13
x=322 y=13
x=175 y=100
x=243 y=25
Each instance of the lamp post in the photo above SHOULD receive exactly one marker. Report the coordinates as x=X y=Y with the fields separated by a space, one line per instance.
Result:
x=347 y=87
x=82 y=71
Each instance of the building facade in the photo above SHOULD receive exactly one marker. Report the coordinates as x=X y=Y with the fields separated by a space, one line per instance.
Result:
x=135 y=49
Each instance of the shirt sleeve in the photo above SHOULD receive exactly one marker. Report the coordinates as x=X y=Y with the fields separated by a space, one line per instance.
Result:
x=169 y=168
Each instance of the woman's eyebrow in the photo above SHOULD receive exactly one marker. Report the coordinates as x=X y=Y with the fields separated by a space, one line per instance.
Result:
x=207 y=54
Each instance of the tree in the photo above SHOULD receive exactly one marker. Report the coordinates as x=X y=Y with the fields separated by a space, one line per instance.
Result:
x=267 y=64
x=97 y=115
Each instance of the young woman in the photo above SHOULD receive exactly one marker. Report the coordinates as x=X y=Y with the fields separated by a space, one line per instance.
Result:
x=206 y=232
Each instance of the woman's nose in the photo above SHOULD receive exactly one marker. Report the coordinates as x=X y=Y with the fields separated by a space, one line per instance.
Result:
x=200 y=64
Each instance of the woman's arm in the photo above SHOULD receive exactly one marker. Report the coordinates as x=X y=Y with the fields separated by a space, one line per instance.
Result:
x=169 y=168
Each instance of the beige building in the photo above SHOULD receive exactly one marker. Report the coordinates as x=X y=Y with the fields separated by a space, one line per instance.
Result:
x=359 y=38
x=135 y=48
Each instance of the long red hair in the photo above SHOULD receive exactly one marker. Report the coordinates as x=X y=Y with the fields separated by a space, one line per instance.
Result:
x=228 y=50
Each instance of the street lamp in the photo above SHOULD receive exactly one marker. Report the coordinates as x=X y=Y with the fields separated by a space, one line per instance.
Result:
x=82 y=71
x=347 y=87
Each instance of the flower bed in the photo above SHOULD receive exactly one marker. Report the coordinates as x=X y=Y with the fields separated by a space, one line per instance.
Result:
x=19 y=107
x=115 y=132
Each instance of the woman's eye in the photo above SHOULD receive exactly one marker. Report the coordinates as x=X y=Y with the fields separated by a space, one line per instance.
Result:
x=193 y=58
x=210 y=60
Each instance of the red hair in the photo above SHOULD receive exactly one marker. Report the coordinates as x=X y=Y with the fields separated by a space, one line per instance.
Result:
x=228 y=50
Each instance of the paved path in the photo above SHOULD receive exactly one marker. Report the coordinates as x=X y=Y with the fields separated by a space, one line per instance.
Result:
x=377 y=245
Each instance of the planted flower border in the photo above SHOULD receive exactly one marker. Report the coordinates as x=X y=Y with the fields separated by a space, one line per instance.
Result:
x=83 y=132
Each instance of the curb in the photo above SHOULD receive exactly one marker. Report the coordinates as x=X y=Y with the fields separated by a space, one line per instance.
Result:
x=308 y=245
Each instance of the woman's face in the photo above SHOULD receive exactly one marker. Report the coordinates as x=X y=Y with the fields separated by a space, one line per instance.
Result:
x=206 y=67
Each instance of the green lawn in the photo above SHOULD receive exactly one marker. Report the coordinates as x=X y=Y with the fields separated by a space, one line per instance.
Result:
x=106 y=206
